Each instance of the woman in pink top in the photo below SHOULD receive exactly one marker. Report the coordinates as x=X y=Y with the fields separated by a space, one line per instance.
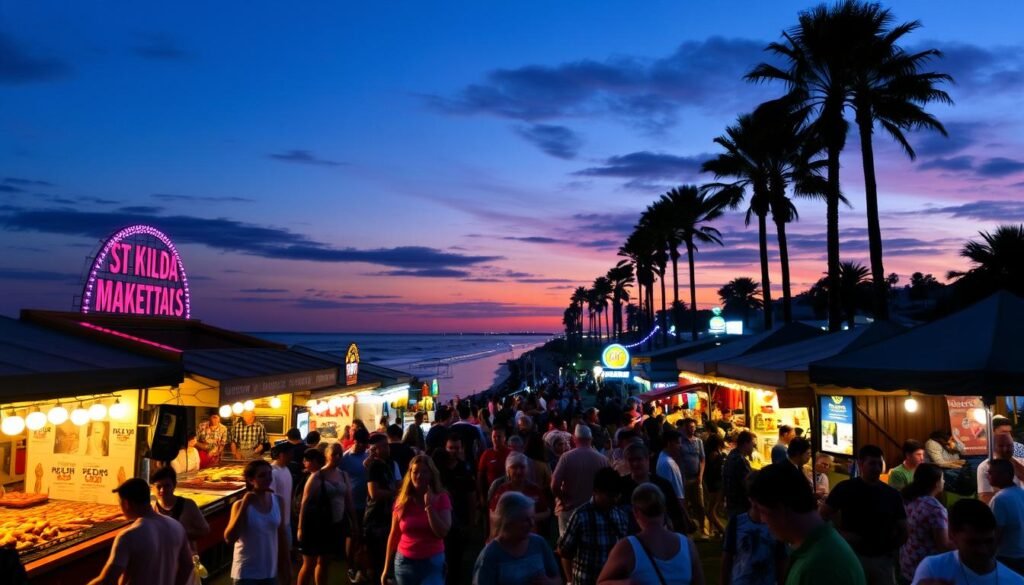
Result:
x=422 y=518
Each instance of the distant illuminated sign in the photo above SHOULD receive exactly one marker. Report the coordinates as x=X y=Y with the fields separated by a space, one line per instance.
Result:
x=837 y=424
x=734 y=327
x=616 y=374
x=351 y=365
x=137 y=271
x=434 y=388
x=716 y=324
x=615 y=357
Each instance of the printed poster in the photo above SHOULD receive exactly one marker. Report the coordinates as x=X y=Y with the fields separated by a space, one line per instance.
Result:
x=837 y=424
x=332 y=422
x=968 y=423
x=83 y=463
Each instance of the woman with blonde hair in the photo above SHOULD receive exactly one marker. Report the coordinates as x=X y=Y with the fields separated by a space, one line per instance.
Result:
x=655 y=554
x=515 y=556
x=422 y=518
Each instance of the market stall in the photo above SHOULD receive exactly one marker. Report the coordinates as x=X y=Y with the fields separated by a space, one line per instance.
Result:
x=71 y=435
x=904 y=384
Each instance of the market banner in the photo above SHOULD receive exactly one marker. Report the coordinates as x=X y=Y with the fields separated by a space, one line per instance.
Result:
x=837 y=424
x=331 y=423
x=967 y=422
x=85 y=462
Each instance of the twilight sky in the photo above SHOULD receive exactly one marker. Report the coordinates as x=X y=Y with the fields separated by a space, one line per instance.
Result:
x=442 y=166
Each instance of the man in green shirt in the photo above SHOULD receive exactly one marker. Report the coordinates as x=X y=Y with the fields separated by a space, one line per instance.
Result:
x=913 y=455
x=781 y=497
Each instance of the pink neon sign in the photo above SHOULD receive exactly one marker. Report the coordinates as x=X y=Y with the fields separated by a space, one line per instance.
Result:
x=138 y=271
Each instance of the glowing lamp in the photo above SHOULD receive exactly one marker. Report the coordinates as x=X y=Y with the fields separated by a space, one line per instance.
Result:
x=237 y=408
x=57 y=415
x=225 y=411
x=13 y=425
x=35 y=420
x=118 y=411
x=275 y=402
x=97 y=411
x=79 y=416
x=249 y=405
x=910 y=404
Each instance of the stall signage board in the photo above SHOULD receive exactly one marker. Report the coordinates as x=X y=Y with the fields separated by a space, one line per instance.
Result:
x=332 y=422
x=615 y=357
x=137 y=271
x=252 y=388
x=967 y=421
x=837 y=424
x=83 y=463
x=351 y=365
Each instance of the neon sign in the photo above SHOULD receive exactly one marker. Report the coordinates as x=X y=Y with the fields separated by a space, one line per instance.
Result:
x=137 y=271
x=351 y=365
x=615 y=357
x=716 y=325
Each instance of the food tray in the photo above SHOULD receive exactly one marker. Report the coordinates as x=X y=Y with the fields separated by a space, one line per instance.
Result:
x=25 y=503
x=58 y=544
x=211 y=485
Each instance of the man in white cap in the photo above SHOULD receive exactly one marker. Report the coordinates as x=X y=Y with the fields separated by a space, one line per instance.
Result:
x=573 y=480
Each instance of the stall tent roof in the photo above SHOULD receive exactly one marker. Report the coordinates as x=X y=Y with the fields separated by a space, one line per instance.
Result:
x=37 y=363
x=144 y=333
x=706 y=362
x=787 y=365
x=368 y=372
x=233 y=364
x=977 y=351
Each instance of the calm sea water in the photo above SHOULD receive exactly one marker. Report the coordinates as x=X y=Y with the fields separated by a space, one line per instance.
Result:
x=462 y=363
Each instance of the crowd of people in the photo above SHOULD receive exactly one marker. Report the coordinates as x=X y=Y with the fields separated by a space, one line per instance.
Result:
x=558 y=492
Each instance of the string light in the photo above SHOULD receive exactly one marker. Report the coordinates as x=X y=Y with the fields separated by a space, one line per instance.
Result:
x=225 y=411
x=248 y=405
x=97 y=411
x=237 y=408
x=275 y=402
x=79 y=416
x=645 y=339
x=57 y=415
x=35 y=420
x=13 y=425
x=118 y=410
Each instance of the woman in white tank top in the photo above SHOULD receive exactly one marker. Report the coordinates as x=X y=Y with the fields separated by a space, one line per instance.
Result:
x=656 y=555
x=256 y=529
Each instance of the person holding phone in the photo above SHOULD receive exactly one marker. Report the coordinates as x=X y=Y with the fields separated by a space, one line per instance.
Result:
x=422 y=518
x=256 y=530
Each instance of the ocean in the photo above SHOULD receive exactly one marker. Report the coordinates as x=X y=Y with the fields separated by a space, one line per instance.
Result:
x=463 y=364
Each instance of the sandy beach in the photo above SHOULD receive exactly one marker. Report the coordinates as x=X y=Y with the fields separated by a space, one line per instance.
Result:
x=474 y=376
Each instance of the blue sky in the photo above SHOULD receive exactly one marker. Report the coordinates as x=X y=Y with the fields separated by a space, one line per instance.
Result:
x=465 y=164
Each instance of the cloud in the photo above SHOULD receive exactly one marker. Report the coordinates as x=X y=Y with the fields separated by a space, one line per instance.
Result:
x=263 y=290
x=303 y=157
x=980 y=70
x=706 y=74
x=558 y=141
x=19 y=67
x=961 y=136
x=482 y=279
x=535 y=239
x=27 y=182
x=979 y=210
x=955 y=163
x=38 y=275
x=160 y=47
x=999 y=167
x=234 y=236
x=547 y=280
x=457 y=310
x=198 y=198
x=427 y=273
x=143 y=209
x=648 y=165
x=368 y=297
x=11 y=189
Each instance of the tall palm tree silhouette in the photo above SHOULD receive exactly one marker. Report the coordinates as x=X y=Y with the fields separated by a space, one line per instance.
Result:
x=741 y=295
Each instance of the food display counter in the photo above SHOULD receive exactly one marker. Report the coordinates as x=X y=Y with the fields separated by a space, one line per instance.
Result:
x=63 y=542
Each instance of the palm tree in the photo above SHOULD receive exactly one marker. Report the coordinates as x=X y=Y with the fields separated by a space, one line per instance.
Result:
x=741 y=295
x=890 y=89
x=639 y=248
x=998 y=263
x=855 y=290
x=819 y=52
x=603 y=294
x=579 y=298
x=621 y=277
x=658 y=220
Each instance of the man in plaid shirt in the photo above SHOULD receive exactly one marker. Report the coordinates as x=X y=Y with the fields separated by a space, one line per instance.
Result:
x=248 y=436
x=593 y=530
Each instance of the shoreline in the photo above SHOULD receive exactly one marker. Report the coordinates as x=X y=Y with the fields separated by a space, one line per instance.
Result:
x=478 y=376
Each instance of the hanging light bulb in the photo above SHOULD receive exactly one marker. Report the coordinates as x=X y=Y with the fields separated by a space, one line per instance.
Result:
x=35 y=420
x=57 y=415
x=910 y=404
x=13 y=425
x=79 y=416
x=237 y=408
x=225 y=411
x=98 y=411
x=275 y=402
x=118 y=410
x=249 y=405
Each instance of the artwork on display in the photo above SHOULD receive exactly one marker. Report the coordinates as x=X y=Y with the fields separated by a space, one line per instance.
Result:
x=84 y=462
x=837 y=424
x=968 y=422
